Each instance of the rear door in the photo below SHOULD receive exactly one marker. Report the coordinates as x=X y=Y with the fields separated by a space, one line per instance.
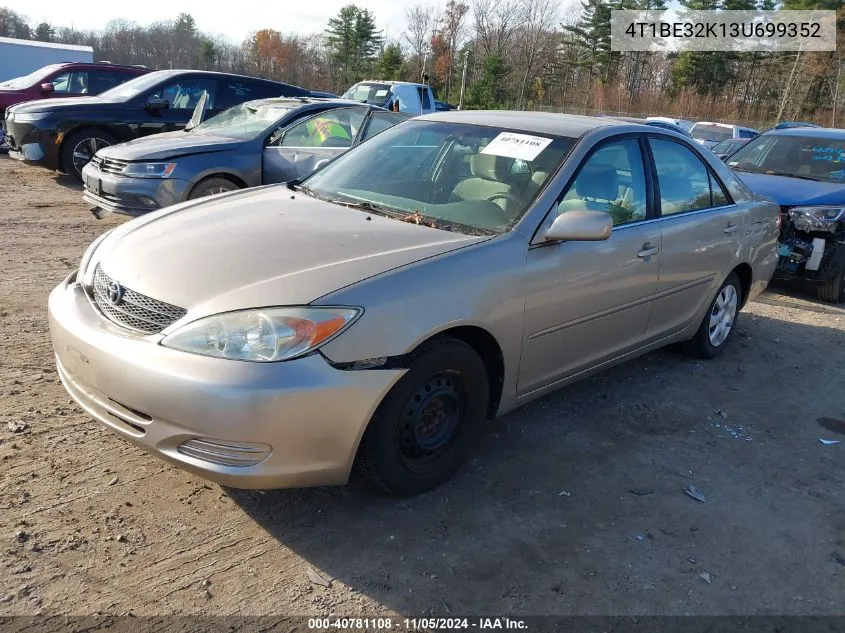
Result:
x=701 y=229
x=589 y=302
x=311 y=142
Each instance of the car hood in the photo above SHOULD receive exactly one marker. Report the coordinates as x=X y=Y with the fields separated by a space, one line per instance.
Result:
x=9 y=97
x=261 y=247
x=43 y=105
x=788 y=191
x=169 y=145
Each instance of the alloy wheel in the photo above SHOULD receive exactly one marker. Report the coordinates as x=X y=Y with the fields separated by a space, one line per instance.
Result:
x=84 y=151
x=722 y=315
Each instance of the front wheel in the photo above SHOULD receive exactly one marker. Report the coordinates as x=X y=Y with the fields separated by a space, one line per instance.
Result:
x=80 y=148
x=211 y=186
x=719 y=323
x=423 y=430
x=833 y=290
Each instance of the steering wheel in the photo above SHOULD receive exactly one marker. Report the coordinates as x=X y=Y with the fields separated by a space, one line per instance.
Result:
x=504 y=196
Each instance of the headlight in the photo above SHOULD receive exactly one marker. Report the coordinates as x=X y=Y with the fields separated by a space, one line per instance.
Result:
x=822 y=218
x=263 y=334
x=149 y=170
x=89 y=253
x=31 y=117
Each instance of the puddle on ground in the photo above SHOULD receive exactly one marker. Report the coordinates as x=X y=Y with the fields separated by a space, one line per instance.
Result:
x=832 y=424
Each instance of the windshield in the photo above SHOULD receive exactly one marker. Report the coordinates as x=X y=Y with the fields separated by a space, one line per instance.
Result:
x=800 y=156
x=129 y=89
x=711 y=132
x=466 y=178
x=372 y=93
x=27 y=81
x=726 y=146
x=243 y=122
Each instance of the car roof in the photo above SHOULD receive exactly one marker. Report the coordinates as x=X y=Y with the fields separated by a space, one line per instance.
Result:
x=811 y=132
x=106 y=65
x=572 y=125
x=212 y=73
x=292 y=102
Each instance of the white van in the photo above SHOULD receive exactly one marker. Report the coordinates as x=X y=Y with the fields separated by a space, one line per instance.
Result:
x=402 y=96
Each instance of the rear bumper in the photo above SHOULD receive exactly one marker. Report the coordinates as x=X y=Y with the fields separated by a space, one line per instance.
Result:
x=131 y=196
x=289 y=424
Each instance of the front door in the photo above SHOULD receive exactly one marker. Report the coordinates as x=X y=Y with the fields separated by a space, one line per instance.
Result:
x=182 y=96
x=588 y=302
x=311 y=143
x=701 y=231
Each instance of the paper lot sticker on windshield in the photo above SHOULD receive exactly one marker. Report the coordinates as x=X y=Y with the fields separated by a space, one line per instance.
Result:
x=513 y=145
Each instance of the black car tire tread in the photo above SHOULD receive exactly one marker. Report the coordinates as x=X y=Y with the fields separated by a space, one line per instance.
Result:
x=207 y=186
x=378 y=458
x=699 y=346
x=833 y=290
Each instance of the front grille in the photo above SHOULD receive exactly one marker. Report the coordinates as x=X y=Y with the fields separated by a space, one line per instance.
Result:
x=109 y=165
x=134 y=310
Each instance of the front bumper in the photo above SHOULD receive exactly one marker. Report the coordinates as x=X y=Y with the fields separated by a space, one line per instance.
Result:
x=307 y=414
x=32 y=144
x=131 y=196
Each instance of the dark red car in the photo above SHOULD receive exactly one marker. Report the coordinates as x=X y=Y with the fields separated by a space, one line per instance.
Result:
x=72 y=79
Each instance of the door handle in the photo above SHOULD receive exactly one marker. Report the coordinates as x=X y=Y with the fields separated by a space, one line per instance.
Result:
x=648 y=250
x=730 y=228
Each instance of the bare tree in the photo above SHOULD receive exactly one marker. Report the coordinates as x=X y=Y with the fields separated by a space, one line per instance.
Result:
x=494 y=22
x=420 y=20
x=453 y=32
x=536 y=39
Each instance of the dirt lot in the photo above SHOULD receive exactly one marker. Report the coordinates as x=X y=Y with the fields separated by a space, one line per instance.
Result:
x=543 y=521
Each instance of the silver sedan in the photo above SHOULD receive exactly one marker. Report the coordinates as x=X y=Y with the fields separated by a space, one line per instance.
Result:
x=449 y=270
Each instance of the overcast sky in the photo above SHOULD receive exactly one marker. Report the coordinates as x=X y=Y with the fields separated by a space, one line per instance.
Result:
x=233 y=20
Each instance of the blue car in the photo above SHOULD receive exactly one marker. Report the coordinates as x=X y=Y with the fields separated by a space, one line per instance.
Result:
x=803 y=170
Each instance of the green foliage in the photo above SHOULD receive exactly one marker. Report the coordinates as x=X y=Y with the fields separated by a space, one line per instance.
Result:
x=44 y=33
x=490 y=92
x=592 y=36
x=390 y=64
x=207 y=54
x=353 y=41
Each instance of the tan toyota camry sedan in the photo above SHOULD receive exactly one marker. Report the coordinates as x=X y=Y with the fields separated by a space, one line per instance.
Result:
x=377 y=313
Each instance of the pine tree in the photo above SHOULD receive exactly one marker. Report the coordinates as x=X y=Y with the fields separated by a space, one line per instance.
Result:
x=353 y=41
x=592 y=36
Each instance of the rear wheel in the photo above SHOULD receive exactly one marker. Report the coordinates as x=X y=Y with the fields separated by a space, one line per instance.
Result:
x=834 y=289
x=210 y=186
x=719 y=323
x=79 y=149
x=423 y=430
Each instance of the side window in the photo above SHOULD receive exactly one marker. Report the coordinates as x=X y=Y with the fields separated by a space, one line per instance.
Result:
x=71 y=83
x=720 y=197
x=424 y=98
x=102 y=80
x=380 y=121
x=183 y=94
x=612 y=180
x=746 y=134
x=684 y=180
x=335 y=128
x=231 y=92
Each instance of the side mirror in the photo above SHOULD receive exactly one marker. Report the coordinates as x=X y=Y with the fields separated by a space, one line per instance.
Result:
x=580 y=226
x=47 y=87
x=157 y=103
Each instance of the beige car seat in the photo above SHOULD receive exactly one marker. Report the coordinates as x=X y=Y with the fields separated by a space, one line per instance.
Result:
x=488 y=174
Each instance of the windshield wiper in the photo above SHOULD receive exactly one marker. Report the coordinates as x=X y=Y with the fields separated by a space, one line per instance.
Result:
x=791 y=175
x=367 y=205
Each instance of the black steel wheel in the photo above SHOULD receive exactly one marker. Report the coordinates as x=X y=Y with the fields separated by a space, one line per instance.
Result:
x=427 y=424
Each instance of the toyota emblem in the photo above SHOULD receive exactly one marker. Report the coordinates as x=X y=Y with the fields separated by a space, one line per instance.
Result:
x=115 y=292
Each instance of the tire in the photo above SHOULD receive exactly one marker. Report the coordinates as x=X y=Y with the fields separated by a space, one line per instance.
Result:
x=428 y=423
x=833 y=290
x=80 y=147
x=710 y=339
x=210 y=186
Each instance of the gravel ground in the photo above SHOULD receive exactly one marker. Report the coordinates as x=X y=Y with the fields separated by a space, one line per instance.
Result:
x=574 y=504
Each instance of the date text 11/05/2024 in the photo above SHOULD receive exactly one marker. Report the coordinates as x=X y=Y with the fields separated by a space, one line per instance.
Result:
x=416 y=624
